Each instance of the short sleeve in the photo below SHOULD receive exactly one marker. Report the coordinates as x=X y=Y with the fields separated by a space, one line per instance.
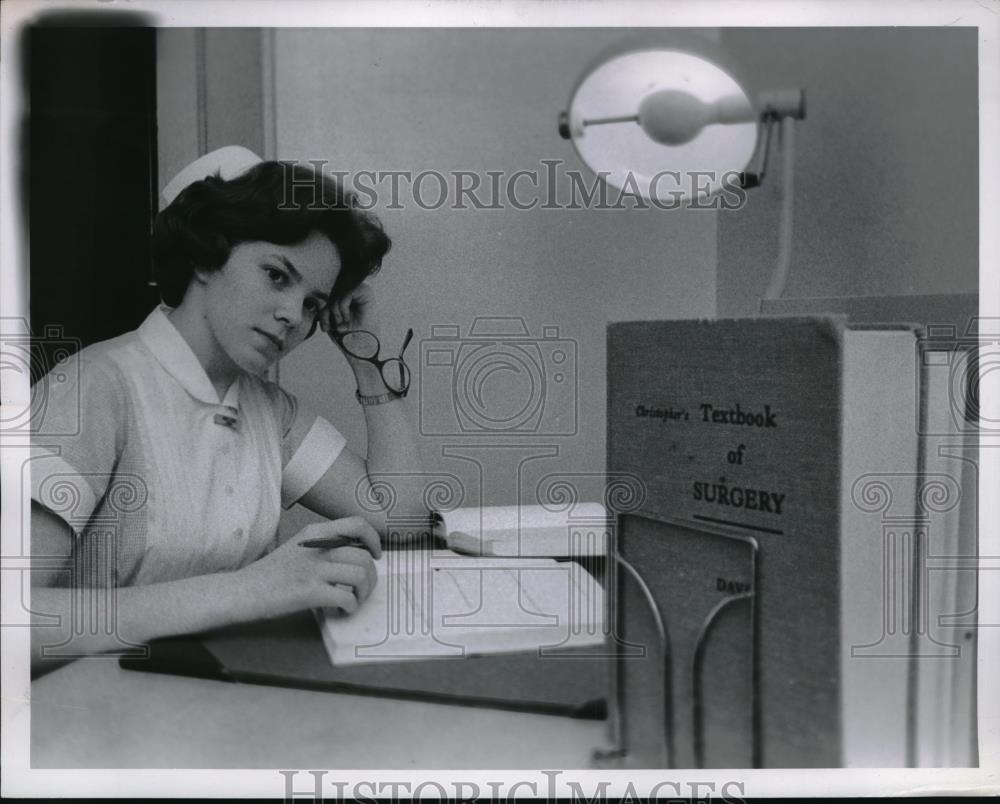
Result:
x=309 y=446
x=77 y=436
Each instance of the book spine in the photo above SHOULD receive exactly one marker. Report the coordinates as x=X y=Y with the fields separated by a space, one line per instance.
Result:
x=880 y=536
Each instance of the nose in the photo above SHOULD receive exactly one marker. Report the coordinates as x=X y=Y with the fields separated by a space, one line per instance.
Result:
x=290 y=310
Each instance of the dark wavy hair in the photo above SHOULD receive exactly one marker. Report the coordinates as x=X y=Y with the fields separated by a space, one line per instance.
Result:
x=274 y=202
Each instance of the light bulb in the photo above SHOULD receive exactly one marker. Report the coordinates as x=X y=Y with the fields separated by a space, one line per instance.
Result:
x=675 y=117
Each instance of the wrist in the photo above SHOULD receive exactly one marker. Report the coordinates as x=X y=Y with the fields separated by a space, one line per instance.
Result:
x=248 y=595
x=367 y=376
x=132 y=626
x=368 y=400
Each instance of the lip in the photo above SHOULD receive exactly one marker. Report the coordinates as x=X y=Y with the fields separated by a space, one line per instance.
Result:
x=279 y=344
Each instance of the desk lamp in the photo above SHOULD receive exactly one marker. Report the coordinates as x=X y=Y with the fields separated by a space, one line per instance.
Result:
x=671 y=121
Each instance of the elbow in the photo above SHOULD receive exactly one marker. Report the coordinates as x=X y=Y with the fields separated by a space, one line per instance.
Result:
x=398 y=504
x=404 y=524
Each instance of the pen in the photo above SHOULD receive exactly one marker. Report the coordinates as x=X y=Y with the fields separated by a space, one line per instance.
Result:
x=330 y=542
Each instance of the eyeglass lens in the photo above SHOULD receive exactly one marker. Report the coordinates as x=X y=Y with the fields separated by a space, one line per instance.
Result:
x=361 y=344
x=396 y=375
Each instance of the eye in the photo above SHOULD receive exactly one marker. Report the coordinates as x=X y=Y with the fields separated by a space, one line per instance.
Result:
x=313 y=306
x=278 y=277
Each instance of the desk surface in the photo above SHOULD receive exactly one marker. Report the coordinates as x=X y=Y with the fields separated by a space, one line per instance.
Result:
x=93 y=714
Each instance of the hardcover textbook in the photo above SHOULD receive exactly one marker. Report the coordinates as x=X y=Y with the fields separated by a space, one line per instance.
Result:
x=776 y=538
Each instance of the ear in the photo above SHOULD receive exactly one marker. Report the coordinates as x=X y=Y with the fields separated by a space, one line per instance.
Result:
x=201 y=275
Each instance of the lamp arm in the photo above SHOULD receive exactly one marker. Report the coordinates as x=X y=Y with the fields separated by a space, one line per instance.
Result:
x=775 y=105
x=777 y=285
x=754 y=178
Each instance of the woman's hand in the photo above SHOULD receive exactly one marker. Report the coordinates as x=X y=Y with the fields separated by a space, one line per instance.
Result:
x=355 y=311
x=293 y=578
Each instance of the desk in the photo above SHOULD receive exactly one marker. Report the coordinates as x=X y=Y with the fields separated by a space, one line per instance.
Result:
x=93 y=714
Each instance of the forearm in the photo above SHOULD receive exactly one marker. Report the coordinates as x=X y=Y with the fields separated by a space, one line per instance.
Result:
x=393 y=454
x=64 y=618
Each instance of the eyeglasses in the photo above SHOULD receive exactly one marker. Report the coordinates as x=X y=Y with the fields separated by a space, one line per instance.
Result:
x=364 y=345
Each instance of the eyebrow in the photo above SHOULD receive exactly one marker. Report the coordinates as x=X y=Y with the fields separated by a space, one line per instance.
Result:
x=298 y=277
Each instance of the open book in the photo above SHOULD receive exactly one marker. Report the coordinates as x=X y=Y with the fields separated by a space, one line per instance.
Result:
x=525 y=530
x=437 y=604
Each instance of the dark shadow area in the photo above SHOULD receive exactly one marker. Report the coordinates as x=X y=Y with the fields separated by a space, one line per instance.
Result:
x=88 y=176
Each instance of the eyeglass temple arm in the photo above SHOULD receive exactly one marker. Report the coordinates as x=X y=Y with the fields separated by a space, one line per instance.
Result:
x=406 y=342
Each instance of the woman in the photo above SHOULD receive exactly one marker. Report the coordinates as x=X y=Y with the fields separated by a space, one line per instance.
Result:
x=170 y=489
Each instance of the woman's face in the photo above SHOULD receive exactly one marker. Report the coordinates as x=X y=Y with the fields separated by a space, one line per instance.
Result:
x=262 y=303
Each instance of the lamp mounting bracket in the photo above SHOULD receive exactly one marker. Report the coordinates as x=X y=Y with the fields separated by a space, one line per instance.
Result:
x=774 y=106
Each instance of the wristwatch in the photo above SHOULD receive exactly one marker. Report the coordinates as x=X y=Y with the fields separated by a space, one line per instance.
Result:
x=381 y=399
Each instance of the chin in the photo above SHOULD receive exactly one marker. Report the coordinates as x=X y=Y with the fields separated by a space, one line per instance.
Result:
x=254 y=363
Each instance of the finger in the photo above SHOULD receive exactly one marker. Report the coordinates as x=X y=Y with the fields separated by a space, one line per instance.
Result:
x=350 y=575
x=338 y=597
x=363 y=294
x=357 y=556
x=356 y=526
x=351 y=554
x=352 y=527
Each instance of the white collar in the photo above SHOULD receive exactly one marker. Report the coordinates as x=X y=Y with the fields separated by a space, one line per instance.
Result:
x=174 y=353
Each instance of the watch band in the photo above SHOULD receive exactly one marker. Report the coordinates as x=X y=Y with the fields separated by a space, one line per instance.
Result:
x=381 y=399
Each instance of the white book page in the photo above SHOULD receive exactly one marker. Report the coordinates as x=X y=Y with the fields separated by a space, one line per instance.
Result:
x=455 y=606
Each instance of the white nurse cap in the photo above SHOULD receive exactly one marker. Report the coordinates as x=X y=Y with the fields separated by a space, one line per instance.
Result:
x=227 y=162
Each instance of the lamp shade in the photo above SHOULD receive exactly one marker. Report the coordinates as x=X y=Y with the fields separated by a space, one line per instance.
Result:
x=671 y=121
